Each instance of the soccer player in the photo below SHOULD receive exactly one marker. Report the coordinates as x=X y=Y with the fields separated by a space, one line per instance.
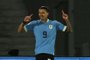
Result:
x=45 y=32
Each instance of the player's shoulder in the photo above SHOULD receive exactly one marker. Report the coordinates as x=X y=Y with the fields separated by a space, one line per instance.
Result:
x=53 y=21
x=33 y=22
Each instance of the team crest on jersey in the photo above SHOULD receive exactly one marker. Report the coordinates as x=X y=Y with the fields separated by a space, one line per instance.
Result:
x=50 y=26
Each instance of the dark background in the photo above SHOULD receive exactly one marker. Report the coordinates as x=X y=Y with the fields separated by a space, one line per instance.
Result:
x=12 y=13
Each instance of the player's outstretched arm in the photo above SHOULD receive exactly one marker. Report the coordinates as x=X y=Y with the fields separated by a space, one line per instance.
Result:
x=27 y=19
x=65 y=17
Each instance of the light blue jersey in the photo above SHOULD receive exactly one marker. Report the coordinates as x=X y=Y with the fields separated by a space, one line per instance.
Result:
x=45 y=34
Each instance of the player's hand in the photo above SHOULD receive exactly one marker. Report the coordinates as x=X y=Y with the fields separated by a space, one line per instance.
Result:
x=64 y=15
x=27 y=19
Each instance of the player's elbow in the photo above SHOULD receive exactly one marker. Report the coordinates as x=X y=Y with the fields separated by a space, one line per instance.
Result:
x=19 y=30
x=69 y=30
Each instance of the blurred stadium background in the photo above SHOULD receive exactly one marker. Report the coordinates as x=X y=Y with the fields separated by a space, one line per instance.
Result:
x=12 y=13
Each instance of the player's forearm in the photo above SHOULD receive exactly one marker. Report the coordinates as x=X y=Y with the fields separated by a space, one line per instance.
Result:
x=26 y=20
x=69 y=27
x=21 y=27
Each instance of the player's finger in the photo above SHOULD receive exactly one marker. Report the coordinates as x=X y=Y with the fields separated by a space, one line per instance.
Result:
x=63 y=12
x=31 y=15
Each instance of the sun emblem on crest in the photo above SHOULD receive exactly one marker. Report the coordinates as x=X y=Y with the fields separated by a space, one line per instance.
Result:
x=50 y=26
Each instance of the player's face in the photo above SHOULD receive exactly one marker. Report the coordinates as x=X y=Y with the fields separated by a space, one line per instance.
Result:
x=43 y=14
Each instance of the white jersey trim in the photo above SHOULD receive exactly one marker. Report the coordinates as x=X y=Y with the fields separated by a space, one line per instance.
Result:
x=25 y=28
x=64 y=28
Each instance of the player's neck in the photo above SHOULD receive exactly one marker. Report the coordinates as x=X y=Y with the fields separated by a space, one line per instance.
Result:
x=44 y=20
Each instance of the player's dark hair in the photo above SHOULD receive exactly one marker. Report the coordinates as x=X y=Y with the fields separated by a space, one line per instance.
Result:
x=45 y=7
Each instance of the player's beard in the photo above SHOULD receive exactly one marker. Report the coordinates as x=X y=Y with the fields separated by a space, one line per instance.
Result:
x=43 y=18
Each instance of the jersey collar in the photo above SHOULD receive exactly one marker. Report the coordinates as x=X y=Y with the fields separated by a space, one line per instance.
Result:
x=47 y=20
